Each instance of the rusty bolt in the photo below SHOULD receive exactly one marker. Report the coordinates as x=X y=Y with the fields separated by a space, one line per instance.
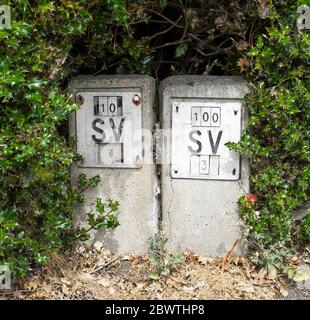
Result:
x=79 y=99
x=136 y=100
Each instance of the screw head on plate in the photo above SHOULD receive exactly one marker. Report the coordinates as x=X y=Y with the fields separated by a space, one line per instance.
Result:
x=136 y=100
x=79 y=99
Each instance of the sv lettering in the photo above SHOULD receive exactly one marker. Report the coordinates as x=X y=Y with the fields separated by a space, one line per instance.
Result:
x=194 y=137
x=97 y=126
x=117 y=134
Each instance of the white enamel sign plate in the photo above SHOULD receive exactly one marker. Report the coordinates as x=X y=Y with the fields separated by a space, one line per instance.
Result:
x=199 y=133
x=108 y=129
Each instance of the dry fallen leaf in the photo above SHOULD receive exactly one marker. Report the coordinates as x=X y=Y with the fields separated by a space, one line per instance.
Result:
x=98 y=245
x=85 y=276
x=242 y=45
x=295 y=261
x=272 y=273
x=34 y=284
x=41 y=295
x=104 y=282
x=111 y=291
x=247 y=273
x=65 y=290
x=126 y=258
x=205 y=260
x=188 y=289
x=263 y=8
x=100 y=262
x=199 y=285
x=283 y=292
x=242 y=63
x=65 y=281
x=245 y=287
x=140 y=285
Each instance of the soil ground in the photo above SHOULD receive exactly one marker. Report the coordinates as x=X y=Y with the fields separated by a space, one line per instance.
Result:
x=95 y=273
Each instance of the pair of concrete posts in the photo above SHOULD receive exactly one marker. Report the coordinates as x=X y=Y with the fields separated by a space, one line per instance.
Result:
x=178 y=177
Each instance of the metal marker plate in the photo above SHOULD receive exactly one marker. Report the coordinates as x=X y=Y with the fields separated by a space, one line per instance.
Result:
x=200 y=130
x=109 y=128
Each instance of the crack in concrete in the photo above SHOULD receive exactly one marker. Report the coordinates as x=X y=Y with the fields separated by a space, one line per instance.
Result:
x=170 y=204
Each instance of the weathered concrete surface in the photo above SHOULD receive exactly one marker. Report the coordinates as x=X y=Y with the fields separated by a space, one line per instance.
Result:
x=201 y=215
x=135 y=189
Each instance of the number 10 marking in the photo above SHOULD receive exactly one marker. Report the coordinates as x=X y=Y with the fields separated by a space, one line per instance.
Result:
x=108 y=106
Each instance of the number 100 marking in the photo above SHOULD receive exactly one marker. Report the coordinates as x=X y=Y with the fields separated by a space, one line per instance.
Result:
x=206 y=116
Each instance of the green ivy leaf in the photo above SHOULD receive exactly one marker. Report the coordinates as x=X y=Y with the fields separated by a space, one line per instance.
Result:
x=181 y=49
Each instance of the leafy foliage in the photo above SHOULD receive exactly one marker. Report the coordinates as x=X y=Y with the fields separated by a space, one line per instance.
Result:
x=100 y=219
x=37 y=202
x=278 y=140
x=164 y=38
x=163 y=263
